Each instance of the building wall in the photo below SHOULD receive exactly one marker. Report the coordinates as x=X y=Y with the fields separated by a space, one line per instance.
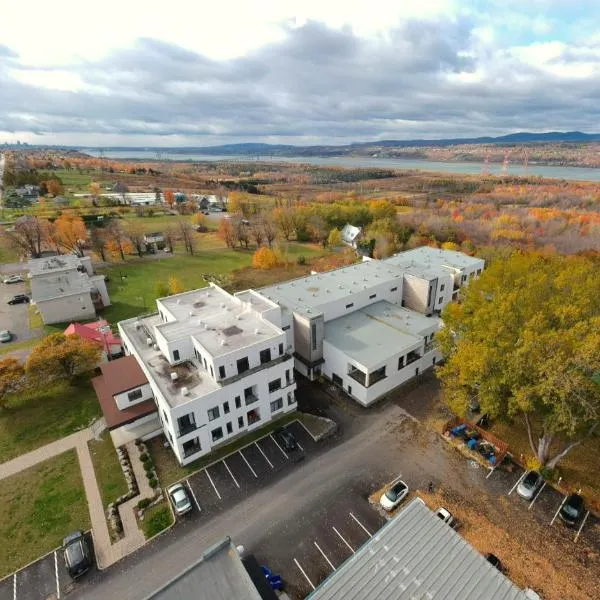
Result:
x=443 y=293
x=416 y=293
x=86 y=261
x=123 y=401
x=100 y=284
x=67 y=308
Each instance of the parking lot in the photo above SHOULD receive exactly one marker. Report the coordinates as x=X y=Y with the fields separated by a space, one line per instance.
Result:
x=226 y=482
x=42 y=579
x=15 y=318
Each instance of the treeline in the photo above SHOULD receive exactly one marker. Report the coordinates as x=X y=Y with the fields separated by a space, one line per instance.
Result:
x=321 y=175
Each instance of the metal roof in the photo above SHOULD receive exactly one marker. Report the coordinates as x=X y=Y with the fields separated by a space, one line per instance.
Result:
x=416 y=556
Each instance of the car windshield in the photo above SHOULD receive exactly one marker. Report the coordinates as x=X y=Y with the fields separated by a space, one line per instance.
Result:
x=180 y=499
x=74 y=553
x=531 y=479
x=570 y=511
x=395 y=492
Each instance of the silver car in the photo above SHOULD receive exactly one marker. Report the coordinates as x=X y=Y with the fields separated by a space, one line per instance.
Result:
x=13 y=279
x=180 y=499
x=529 y=485
x=5 y=336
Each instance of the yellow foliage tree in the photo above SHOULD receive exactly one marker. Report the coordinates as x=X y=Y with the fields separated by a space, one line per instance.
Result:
x=450 y=246
x=94 y=188
x=264 y=258
x=12 y=377
x=175 y=286
x=70 y=233
x=334 y=238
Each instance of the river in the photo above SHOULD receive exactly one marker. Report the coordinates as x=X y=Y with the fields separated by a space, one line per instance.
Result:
x=469 y=168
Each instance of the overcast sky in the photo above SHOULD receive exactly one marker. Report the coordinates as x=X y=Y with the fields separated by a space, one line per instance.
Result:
x=179 y=72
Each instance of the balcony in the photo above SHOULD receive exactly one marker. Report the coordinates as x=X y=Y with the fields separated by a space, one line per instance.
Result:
x=358 y=376
x=411 y=357
x=191 y=447
x=276 y=361
x=367 y=379
x=250 y=399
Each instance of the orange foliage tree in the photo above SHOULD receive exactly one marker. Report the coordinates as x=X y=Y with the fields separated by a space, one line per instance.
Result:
x=264 y=258
x=70 y=233
x=170 y=198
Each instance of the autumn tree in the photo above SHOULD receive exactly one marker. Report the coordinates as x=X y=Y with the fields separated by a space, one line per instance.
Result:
x=284 y=220
x=199 y=221
x=187 y=234
x=334 y=238
x=28 y=235
x=116 y=238
x=71 y=233
x=135 y=233
x=175 y=286
x=58 y=356
x=525 y=343
x=94 y=188
x=54 y=187
x=256 y=230
x=169 y=235
x=242 y=230
x=264 y=258
x=317 y=229
x=98 y=242
x=269 y=230
x=170 y=198
x=12 y=377
x=227 y=232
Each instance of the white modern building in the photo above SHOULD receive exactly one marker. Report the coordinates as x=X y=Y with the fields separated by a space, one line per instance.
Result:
x=64 y=288
x=218 y=365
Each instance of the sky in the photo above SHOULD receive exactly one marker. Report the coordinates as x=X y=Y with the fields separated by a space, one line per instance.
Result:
x=184 y=73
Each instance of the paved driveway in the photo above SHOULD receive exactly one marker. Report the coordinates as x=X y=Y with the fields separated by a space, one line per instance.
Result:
x=15 y=318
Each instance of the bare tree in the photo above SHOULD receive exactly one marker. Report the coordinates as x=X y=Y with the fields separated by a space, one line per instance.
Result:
x=98 y=242
x=241 y=228
x=29 y=235
x=270 y=231
x=170 y=235
x=187 y=233
x=135 y=233
x=117 y=237
x=256 y=230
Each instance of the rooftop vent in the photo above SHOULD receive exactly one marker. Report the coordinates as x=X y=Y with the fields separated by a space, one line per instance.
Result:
x=149 y=341
x=138 y=325
x=184 y=391
x=178 y=301
x=222 y=304
x=256 y=331
x=174 y=376
x=155 y=347
x=191 y=313
x=238 y=317
x=222 y=342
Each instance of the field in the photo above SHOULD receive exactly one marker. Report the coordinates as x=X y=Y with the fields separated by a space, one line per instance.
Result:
x=39 y=507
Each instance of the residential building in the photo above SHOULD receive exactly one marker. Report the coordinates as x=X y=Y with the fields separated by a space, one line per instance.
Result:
x=64 y=288
x=351 y=235
x=417 y=555
x=127 y=401
x=154 y=241
x=99 y=333
x=218 y=366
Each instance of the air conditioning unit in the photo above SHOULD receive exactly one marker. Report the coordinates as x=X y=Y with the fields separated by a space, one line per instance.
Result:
x=149 y=341
x=174 y=376
x=155 y=346
x=184 y=391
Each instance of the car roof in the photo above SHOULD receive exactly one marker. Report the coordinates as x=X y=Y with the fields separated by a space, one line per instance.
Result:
x=574 y=499
x=74 y=552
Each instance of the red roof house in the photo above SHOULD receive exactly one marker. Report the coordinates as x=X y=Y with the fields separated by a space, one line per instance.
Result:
x=111 y=344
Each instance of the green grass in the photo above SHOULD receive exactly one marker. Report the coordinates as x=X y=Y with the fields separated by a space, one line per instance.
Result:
x=74 y=179
x=7 y=348
x=157 y=519
x=109 y=474
x=35 y=318
x=169 y=470
x=40 y=416
x=39 y=507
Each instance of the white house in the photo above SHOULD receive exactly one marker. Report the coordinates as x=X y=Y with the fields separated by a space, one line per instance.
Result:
x=64 y=288
x=218 y=366
x=351 y=235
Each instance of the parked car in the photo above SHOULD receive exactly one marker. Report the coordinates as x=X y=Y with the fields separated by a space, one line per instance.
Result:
x=180 y=499
x=529 y=485
x=13 y=279
x=287 y=439
x=572 y=510
x=444 y=515
x=494 y=561
x=5 y=336
x=78 y=557
x=394 y=495
x=19 y=299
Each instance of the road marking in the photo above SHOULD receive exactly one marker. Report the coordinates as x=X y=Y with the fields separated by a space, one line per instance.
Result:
x=324 y=556
x=249 y=465
x=343 y=540
x=299 y=446
x=364 y=528
x=193 y=495
x=491 y=471
x=518 y=482
x=587 y=514
x=15 y=586
x=558 y=510
x=282 y=452
x=536 y=496
x=56 y=573
x=229 y=471
x=213 y=484
x=306 y=429
x=264 y=455
x=305 y=575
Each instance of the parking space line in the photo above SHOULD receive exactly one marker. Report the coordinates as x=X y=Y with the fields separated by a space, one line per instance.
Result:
x=491 y=471
x=193 y=495
x=306 y=429
x=56 y=573
x=536 y=496
x=299 y=446
x=361 y=525
x=229 y=471
x=305 y=575
x=213 y=484
x=323 y=555
x=517 y=483
x=587 y=514
x=249 y=465
x=558 y=510
x=282 y=451
x=264 y=455
x=15 y=586
x=343 y=540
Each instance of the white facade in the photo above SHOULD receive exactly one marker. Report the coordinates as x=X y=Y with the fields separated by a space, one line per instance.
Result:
x=216 y=366
x=133 y=396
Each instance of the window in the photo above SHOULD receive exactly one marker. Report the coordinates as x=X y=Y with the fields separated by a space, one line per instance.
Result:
x=170 y=437
x=226 y=408
x=242 y=364
x=238 y=402
x=205 y=365
x=253 y=416
x=442 y=287
x=217 y=434
x=372 y=296
x=416 y=371
x=165 y=417
x=401 y=363
x=265 y=356
x=463 y=278
x=291 y=398
x=249 y=396
x=175 y=354
x=394 y=289
x=186 y=424
x=441 y=300
x=287 y=376
x=285 y=327
x=240 y=422
x=135 y=395
x=280 y=349
x=433 y=361
x=191 y=447
x=222 y=372
x=212 y=373
x=213 y=413
x=478 y=271
x=350 y=389
x=350 y=305
x=274 y=385
x=229 y=428
x=313 y=333
x=276 y=405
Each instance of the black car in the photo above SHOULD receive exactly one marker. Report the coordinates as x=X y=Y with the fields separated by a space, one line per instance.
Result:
x=19 y=299
x=494 y=561
x=78 y=557
x=572 y=510
x=287 y=439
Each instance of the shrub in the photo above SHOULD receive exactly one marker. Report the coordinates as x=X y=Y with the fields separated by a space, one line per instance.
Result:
x=148 y=466
x=153 y=483
x=157 y=522
x=144 y=457
x=144 y=503
x=301 y=260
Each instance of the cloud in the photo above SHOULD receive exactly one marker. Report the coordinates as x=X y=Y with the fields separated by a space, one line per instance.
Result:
x=420 y=78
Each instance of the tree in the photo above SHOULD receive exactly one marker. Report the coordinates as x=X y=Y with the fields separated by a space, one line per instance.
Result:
x=70 y=233
x=334 y=238
x=12 y=377
x=226 y=232
x=450 y=246
x=269 y=230
x=199 y=221
x=135 y=233
x=187 y=234
x=317 y=229
x=98 y=242
x=170 y=198
x=175 y=286
x=94 y=188
x=58 y=355
x=264 y=258
x=29 y=235
x=54 y=187
x=525 y=343
x=256 y=230
x=242 y=230
x=169 y=235
x=284 y=220
x=116 y=238
x=161 y=290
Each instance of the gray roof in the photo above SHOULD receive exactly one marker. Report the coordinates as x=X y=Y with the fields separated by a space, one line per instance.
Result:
x=217 y=575
x=53 y=264
x=435 y=258
x=417 y=556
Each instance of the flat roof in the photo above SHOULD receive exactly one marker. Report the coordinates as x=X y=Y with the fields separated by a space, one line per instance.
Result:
x=59 y=284
x=417 y=555
x=372 y=334
x=436 y=257
x=53 y=264
x=217 y=575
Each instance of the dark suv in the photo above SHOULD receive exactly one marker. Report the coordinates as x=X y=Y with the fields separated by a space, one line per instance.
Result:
x=19 y=299
x=78 y=557
x=286 y=439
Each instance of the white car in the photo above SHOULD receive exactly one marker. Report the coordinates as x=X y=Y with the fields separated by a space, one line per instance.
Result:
x=13 y=279
x=394 y=495
x=180 y=499
x=444 y=515
x=5 y=336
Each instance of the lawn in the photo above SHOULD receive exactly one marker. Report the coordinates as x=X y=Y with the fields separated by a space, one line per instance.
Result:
x=39 y=507
x=157 y=519
x=74 y=179
x=40 y=416
x=108 y=469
